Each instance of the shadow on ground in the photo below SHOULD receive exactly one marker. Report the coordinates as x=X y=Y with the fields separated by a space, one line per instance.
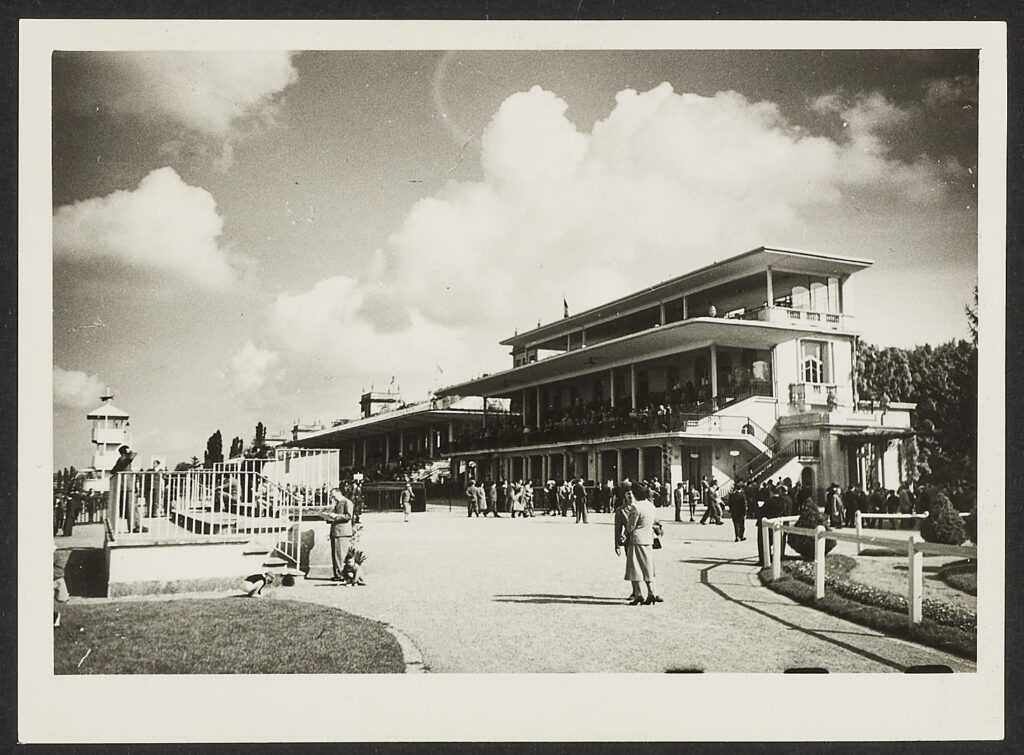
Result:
x=548 y=598
x=85 y=572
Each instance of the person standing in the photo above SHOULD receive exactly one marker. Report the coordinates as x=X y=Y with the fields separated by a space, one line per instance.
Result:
x=639 y=531
x=128 y=505
x=738 y=512
x=472 y=493
x=72 y=506
x=579 y=496
x=340 y=518
x=677 y=498
x=491 y=493
x=407 y=500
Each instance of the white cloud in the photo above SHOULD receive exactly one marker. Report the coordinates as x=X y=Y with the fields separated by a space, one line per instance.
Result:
x=667 y=182
x=76 y=389
x=164 y=224
x=251 y=368
x=209 y=92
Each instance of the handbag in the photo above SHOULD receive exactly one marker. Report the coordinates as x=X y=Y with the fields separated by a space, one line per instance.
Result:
x=657 y=543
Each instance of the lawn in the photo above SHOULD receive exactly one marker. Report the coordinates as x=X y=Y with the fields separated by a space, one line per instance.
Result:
x=944 y=626
x=227 y=635
x=962 y=575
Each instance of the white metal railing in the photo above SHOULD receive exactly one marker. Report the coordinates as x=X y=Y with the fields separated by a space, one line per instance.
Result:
x=915 y=550
x=261 y=503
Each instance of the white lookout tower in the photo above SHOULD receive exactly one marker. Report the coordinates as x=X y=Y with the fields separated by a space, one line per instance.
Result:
x=110 y=430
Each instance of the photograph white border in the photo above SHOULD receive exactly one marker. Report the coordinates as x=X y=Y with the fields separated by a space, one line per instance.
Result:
x=465 y=707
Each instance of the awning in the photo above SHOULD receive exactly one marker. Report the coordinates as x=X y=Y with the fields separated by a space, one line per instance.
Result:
x=874 y=433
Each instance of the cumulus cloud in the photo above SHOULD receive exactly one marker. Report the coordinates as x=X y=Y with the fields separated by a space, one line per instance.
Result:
x=76 y=389
x=252 y=367
x=665 y=183
x=163 y=224
x=208 y=92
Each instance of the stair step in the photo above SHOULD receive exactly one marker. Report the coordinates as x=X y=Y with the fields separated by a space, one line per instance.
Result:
x=274 y=562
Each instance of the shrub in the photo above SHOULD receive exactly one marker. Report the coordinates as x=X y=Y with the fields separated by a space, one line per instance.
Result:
x=971 y=525
x=810 y=518
x=943 y=524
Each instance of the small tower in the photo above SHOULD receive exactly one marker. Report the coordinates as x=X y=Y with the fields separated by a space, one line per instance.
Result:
x=110 y=430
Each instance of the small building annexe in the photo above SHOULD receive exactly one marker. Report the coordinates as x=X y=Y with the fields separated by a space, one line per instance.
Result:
x=742 y=369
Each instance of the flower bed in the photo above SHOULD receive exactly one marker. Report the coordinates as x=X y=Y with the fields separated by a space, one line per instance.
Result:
x=943 y=626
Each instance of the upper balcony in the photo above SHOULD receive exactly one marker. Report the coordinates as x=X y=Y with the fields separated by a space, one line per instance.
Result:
x=770 y=285
x=506 y=432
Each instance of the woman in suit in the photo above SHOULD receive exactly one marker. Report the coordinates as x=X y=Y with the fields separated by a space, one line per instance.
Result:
x=639 y=531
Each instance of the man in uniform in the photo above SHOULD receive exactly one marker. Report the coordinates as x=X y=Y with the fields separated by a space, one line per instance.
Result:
x=738 y=512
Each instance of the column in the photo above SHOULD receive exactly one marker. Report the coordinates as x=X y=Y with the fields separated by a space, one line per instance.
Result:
x=387 y=448
x=640 y=463
x=618 y=464
x=484 y=400
x=524 y=407
x=353 y=453
x=430 y=442
x=632 y=385
x=661 y=312
x=364 y=454
x=714 y=372
x=451 y=433
x=771 y=289
x=686 y=311
x=583 y=337
x=545 y=467
x=598 y=477
x=611 y=384
x=538 y=408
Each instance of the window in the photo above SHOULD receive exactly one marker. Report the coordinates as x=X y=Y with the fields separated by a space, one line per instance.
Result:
x=815 y=361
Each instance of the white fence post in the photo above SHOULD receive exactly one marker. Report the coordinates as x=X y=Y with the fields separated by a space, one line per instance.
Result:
x=915 y=587
x=766 y=543
x=819 y=562
x=859 y=523
x=776 y=550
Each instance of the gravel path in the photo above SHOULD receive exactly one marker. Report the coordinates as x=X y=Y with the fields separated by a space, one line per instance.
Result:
x=547 y=595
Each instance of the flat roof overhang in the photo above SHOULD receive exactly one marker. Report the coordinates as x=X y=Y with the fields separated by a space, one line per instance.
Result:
x=686 y=335
x=749 y=263
x=874 y=433
x=379 y=424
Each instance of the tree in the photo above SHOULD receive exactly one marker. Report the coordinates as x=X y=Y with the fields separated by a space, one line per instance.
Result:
x=183 y=466
x=259 y=443
x=236 y=447
x=214 y=453
x=972 y=317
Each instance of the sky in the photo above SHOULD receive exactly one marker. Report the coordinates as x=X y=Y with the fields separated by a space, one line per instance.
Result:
x=243 y=237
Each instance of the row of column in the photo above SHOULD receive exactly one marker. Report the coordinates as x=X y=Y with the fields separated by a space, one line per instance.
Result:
x=431 y=449
x=611 y=381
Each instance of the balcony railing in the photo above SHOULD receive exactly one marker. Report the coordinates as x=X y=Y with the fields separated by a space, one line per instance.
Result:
x=813 y=393
x=576 y=431
x=825 y=320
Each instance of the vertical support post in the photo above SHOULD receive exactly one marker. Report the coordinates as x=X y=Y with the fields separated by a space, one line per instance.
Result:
x=639 y=463
x=583 y=337
x=632 y=385
x=819 y=562
x=859 y=524
x=430 y=442
x=776 y=550
x=364 y=454
x=915 y=576
x=714 y=375
x=686 y=310
x=611 y=386
x=524 y=407
x=661 y=312
x=538 y=408
x=618 y=465
x=766 y=546
x=770 y=288
x=387 y=448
